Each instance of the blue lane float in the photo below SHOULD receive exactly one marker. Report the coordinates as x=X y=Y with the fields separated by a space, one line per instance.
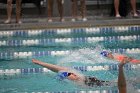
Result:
x=29 y=54
x=38 y=42
x=88 y=30
x=113 y=67
x=91 y=91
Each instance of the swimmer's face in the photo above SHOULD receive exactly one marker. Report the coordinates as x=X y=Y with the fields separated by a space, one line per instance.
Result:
x=110 y=55
x=72 y=76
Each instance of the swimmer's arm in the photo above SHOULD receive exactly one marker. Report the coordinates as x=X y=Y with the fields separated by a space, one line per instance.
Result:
x=52 y=67
x=135 y=61
x=122 y=89
x=130 y=59
x=121 y=78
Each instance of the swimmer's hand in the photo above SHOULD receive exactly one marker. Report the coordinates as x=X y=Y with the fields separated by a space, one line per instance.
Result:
x=124 y=61
x=35 y=61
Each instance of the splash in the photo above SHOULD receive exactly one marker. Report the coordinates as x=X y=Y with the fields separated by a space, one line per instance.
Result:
x=85 y=56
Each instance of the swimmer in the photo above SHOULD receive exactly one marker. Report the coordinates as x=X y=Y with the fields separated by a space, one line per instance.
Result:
x=119 y=57
x=121 y=77
x=66 y=73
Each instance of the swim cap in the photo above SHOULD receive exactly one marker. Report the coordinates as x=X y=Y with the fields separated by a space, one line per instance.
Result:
x=104 y=53
x=62 y=75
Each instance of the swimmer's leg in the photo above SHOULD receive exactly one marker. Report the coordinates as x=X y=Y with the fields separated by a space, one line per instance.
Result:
x=60 y=9
x=50 y=10
x=121 y=79
x=52 y=67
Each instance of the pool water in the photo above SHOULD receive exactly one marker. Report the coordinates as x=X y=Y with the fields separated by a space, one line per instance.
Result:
x=77 y=48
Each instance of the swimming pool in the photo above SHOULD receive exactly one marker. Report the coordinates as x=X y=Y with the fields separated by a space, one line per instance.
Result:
x=78 y=48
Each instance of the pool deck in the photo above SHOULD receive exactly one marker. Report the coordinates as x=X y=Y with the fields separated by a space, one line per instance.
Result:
x=41 y=23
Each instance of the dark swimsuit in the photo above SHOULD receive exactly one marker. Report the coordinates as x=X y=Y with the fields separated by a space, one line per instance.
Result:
x=92 y=81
